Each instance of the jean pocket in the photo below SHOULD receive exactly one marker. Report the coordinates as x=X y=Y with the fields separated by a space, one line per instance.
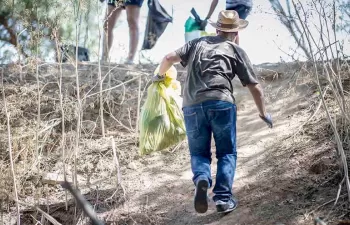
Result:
x=221 y=118
x=191 y=122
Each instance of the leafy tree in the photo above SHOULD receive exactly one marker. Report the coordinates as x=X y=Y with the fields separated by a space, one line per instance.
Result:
x=29 y=24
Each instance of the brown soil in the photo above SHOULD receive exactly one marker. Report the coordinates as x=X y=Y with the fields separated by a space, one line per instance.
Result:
x=284 y=175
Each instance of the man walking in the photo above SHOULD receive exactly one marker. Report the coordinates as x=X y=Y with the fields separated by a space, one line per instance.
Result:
x=242 y=7
x=209 y=106
x=115 y=8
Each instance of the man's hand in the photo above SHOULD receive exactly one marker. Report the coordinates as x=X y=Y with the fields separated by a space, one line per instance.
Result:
x=267 y=119
x=203 y=24
x=157 y=78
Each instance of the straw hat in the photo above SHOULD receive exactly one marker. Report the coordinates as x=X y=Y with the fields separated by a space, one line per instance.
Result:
x=229 y=21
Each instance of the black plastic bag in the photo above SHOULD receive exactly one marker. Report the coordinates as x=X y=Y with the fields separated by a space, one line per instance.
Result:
x=68 y=52
x=157 y=21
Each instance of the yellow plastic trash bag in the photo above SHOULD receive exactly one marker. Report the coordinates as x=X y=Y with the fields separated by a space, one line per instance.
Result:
x=161 y=119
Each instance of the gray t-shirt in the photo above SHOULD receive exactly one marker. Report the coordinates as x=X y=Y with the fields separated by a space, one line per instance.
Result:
x=213 y=62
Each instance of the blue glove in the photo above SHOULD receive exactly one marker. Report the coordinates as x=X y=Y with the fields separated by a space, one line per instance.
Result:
x=157 y=78
x=267 y=119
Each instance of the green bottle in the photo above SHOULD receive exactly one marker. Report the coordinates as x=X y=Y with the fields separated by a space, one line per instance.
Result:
x=191 y=25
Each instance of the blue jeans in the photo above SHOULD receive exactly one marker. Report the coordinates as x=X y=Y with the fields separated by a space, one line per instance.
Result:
x=242 y=10
x=203 y=120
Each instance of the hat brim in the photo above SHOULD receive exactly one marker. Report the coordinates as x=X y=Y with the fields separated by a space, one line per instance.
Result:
x=242 y=24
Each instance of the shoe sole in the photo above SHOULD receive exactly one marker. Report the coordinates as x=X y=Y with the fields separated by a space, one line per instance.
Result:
x=201 y=198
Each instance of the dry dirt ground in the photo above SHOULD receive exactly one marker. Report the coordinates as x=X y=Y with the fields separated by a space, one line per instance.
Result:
x=285 y=175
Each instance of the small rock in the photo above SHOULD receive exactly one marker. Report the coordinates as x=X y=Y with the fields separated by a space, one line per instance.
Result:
x=53 y=178
x=132 y=166
x=57 y=178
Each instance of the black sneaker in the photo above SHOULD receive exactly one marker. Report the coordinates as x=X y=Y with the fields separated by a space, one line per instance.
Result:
x=201 y=198
x=226 y=207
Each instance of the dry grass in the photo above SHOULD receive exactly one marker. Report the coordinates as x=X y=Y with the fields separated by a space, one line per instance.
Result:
x=99 y=160
x=45 y=141
x=80 y=123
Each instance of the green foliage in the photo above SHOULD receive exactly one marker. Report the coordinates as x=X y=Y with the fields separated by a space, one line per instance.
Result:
x=32 y=24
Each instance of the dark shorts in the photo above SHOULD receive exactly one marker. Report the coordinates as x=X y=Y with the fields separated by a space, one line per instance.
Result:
x=126 y=2
x=243 y=11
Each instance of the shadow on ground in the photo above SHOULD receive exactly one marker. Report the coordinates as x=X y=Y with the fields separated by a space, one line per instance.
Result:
x=287 y=183
x=101 y=200
x=290 y=186
x=294 y=179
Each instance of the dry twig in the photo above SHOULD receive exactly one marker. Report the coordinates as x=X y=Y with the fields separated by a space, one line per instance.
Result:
x=63 y=132
x=138 y=106
x=310 y=39
x=101 y=84
x=46 y=215
x=109 y=89
x=116 y=161
x=9 y=137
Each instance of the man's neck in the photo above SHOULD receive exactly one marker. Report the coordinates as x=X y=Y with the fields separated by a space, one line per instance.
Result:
x=227 y=37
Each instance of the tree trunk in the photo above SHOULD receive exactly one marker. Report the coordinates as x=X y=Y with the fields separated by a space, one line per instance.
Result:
x=13 y=37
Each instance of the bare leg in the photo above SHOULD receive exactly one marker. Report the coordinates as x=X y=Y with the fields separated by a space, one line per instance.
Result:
x=133 y=14
x=112 y=16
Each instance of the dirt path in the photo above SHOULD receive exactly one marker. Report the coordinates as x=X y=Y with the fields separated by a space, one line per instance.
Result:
x=284 y=175
x=160 y=185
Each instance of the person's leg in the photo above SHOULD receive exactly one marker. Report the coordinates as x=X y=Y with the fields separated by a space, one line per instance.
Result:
x=113 y=14
x=243 y=12
x=222 y=118
x=133 y=8
x=199 y=138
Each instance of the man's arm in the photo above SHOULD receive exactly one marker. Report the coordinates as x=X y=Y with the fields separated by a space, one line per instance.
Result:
x=258 y=95
x=169 y=60
x=213 y=5
x=244 y=70
x=204 y=22
x=181 y=55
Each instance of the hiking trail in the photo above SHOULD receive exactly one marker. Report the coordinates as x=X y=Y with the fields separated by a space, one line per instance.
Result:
x=161 y=184
x=284 y=175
